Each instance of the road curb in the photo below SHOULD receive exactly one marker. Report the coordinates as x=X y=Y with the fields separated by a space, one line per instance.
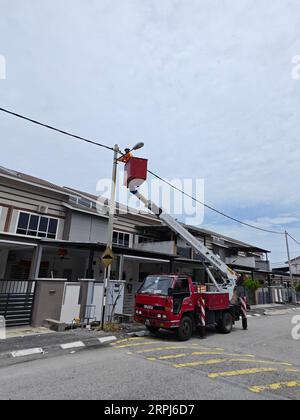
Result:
x=67 y=347
x=62 y=347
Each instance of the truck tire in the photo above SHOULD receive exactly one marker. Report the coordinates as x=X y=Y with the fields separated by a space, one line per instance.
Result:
x=153 y=330
x=226 y=324
x=185 y=331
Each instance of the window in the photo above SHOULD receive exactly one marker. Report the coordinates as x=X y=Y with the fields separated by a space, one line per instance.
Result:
x=121 y=239
x=156 y=285
x=182 y=286
x=39 y=226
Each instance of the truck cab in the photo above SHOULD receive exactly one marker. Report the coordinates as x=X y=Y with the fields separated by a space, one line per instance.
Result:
x=167 y=302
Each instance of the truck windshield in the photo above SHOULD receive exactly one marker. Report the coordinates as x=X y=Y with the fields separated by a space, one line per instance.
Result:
x=156 y=285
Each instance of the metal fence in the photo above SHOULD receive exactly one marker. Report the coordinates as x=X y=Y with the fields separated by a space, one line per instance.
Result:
x=16 y=301
x=268 y=295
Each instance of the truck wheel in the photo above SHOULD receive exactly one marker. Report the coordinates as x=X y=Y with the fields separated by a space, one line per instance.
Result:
x=153 y=330
x=185 y=330
x=226 y=324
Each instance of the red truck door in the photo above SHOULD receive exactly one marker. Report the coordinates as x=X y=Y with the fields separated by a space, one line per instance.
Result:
x=182 y=297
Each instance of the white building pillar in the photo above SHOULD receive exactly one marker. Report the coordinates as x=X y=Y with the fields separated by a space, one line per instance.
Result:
x=36 y=263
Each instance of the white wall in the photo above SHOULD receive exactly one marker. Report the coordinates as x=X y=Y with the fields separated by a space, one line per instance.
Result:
x=296 y=266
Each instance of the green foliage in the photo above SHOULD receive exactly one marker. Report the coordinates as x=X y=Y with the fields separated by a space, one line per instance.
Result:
x=298 y=287
x=251 y=284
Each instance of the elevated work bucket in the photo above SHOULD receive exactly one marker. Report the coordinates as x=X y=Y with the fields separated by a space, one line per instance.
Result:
x=135 y=173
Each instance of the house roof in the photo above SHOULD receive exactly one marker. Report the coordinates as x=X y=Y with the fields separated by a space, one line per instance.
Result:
x=29 y=179
x=123 y=209
x=294 y=259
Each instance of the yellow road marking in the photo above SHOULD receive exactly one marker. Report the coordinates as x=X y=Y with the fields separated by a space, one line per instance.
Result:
x=196 y=353
x=212 y=362
x=275 y=387
x=144 y=343
x=172 y=356
x=202 y=363
x=241 y=372
x=178 y=347
x=162 y=349
x=201 y=353
x=127 y=340
x=216 y=361
x=262 y=361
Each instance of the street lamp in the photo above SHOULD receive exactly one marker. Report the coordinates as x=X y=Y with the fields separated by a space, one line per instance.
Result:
x=112 y=207
x=138 y=146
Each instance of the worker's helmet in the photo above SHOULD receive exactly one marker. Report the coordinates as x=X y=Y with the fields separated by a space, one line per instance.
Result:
x=127 y=150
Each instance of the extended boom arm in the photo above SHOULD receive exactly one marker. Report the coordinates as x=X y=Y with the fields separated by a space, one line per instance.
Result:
x=229 y=276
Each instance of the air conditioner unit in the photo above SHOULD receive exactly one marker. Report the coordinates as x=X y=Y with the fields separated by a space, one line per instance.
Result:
x=43 y=209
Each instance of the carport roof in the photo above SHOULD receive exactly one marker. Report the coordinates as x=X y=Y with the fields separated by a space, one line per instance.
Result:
x=14 y=240
x=236 y=244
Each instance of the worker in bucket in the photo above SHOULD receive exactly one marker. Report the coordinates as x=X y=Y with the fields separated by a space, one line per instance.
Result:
x=126 y=157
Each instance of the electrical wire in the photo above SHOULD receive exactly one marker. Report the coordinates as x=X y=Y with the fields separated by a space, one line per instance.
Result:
x=295 y=240
x=214 y=209
x=221 y=213
x=56 y=129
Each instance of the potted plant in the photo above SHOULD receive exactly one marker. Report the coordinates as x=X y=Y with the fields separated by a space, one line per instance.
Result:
x=297 y=287
x=252 y=285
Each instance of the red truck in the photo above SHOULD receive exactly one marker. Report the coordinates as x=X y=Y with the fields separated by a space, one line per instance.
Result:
x=173 y=302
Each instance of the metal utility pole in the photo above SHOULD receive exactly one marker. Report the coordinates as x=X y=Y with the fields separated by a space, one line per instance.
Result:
x=112 y=207
x=110 y=233
x=294 y=295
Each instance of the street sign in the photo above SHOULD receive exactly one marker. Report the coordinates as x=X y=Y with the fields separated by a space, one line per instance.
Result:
x=107 y=257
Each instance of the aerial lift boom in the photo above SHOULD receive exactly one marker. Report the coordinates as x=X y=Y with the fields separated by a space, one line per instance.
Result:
x=229 y=277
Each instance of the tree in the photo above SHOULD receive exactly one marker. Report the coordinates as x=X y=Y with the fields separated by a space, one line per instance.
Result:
x=252 y=285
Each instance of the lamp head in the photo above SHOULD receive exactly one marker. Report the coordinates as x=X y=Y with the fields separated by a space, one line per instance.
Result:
x=138 y=146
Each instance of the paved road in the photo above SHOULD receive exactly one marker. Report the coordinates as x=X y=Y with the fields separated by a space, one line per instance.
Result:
x=262 y=363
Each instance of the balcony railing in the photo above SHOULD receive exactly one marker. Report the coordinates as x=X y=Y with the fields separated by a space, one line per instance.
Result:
x=248 y=262
x=164 y=247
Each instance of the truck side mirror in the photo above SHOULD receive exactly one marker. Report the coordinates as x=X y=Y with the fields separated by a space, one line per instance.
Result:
x=170 y=291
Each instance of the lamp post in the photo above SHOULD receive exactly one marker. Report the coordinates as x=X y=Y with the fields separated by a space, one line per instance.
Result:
x=294 y=295
x=112 y=208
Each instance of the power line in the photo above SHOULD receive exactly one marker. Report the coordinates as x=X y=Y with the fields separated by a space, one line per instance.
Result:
x=214 y=209
x=150 y=172
x=55 y=129
x=295 y=240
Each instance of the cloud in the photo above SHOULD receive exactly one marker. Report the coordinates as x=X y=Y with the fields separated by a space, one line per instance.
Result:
x=269 y=222
x=206 y=85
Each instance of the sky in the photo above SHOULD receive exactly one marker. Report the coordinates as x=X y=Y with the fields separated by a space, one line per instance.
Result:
x=207 y=85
